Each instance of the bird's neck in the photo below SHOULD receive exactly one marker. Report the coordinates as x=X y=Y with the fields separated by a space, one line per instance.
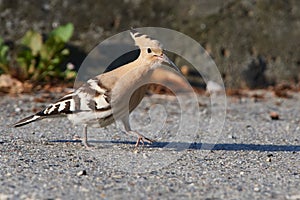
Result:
x=135 y=72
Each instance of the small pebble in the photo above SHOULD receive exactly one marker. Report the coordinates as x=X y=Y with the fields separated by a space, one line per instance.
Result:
x=82 y=173
x=145 y=155
x=135 y=151
x=274 y=115
x=293 y=197
x=17 y=109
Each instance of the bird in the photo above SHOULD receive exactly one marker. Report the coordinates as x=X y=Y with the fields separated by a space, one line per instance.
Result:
x=112 y=95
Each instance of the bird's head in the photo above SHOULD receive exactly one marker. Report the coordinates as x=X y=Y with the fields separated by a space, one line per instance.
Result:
x=151 y=50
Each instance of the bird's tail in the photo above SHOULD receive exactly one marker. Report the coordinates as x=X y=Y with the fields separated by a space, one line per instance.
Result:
x=65 y=105
x=27 y=120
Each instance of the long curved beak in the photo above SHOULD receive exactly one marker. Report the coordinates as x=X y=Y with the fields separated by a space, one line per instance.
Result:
x=168 y=62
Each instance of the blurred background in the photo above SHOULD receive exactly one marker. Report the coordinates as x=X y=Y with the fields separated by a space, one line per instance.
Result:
x=255 y=43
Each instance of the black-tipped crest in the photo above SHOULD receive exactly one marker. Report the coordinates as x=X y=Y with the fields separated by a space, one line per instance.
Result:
x=144 y=41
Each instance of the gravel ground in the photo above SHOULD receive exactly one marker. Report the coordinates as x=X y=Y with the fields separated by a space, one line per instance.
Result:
x=254 y=157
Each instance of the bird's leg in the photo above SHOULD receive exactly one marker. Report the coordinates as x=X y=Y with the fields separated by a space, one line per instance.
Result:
x=128 y=130
x=84 y=140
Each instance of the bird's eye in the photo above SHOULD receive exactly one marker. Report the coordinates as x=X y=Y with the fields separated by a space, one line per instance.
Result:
x=149 y=50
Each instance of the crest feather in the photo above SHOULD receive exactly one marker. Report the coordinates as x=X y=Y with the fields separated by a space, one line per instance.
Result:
x=144 y=41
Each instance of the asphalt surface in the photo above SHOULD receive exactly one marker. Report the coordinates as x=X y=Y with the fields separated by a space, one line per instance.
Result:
x=254 y=157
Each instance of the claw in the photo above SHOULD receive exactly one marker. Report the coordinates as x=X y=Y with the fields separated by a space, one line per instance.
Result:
x=87 y=145
x=142 y=139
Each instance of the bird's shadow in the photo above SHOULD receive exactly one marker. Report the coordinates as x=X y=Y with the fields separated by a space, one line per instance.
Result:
x=203 y=146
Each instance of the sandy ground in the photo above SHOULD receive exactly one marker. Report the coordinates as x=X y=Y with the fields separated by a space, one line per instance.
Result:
x=254 y=157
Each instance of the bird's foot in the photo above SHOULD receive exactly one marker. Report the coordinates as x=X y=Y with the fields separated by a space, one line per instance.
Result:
x=83 y=142
x=142 y=139
x=87 y=145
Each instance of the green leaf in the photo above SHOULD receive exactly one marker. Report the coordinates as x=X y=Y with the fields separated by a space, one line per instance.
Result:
x=46 y=52
x=56 y=60
x=65 y=52
x=42 y=60
x=64 y=33
x=33 y=40
x=3 y=54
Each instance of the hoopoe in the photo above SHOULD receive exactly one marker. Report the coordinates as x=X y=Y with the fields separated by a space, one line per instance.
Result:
x=112 y=95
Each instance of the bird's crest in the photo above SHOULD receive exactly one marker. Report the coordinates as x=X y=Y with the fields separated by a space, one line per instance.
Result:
x=144 y=41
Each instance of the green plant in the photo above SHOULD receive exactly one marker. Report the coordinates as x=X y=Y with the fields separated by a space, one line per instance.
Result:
x=42 y=60
x=4 y=60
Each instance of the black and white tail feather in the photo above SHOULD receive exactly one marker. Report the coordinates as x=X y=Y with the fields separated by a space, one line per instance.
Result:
x=28 y=120
x=62 y=106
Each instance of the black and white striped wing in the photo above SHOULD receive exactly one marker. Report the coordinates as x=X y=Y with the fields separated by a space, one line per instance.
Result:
x=94 y=106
